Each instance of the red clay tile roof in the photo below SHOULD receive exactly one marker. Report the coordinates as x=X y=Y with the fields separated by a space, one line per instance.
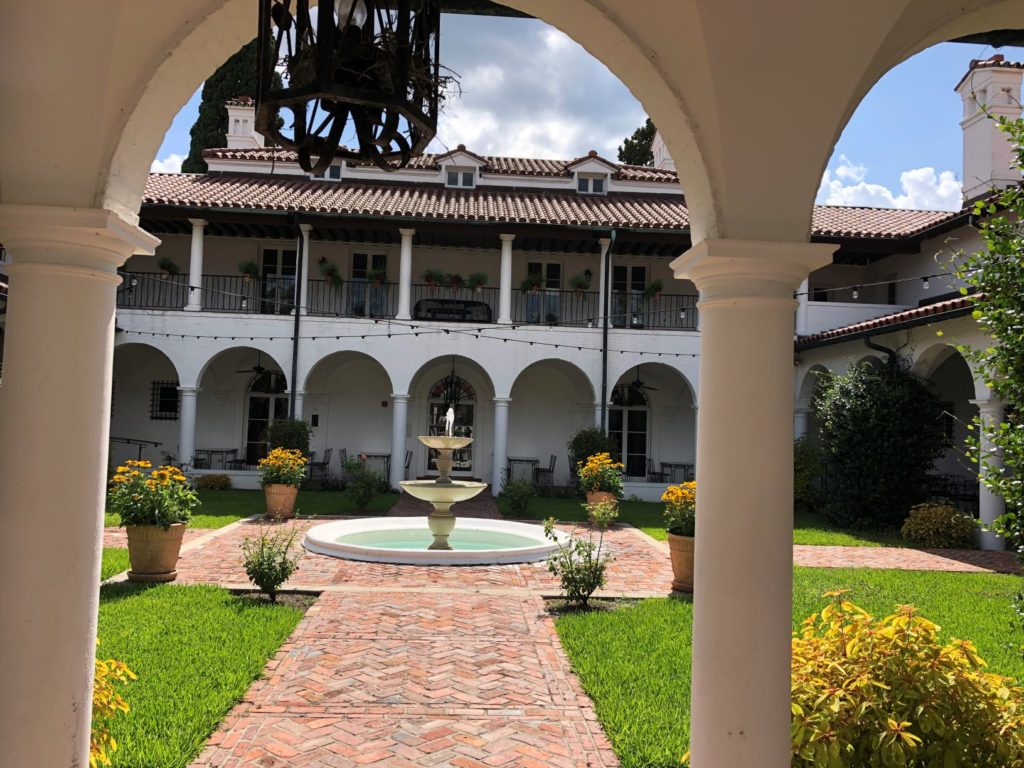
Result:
x=240 y=101
x=995 y=61
x=959 y=305
x=432 y=201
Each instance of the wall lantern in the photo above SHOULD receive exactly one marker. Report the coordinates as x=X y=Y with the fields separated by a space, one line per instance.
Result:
x=367 y=68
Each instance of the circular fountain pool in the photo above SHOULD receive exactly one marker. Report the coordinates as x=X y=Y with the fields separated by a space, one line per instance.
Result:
x=404 y=541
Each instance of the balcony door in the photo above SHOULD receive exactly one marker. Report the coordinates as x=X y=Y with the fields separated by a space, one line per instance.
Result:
x=278 y=281
x=544 y=304
x=628 y=284
x=369 y=300
x=628 y=424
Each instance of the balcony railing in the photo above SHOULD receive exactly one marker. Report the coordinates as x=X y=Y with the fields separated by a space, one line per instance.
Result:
x=355 y=298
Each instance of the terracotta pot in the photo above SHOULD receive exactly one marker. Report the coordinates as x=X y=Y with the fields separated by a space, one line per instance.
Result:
x=280 y=500
x=153 y=552
x=681 y=549
x=593 y=497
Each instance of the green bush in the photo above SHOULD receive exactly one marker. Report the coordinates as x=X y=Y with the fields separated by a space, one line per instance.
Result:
x=213 y=483
x=362 y=484
x=268 y=559
x=939 y=525
x=807 y=469
x=880 y=436
x=587 y=442
x=580 y=564
x=519 y=494
x=289 y=433
x=886 y=692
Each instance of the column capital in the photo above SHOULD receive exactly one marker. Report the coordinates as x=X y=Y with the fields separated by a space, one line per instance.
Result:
x=90 y=238
x=189 y=390
x=306 y=228
x=605 y=242
x=505 y=237
x=756 y=269
x=401 y=397
x=406 y=232
x=198 y=223
x=989 y=406
x=502 y=402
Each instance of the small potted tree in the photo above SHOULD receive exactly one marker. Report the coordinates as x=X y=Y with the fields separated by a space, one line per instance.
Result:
x=455 y=280
x=281 y=472
x=580 y=282
x=654 y=288
x=249 y=270
x=532 y=283
x=601 y=478
x=680 y=522
x=167 y=267
x=434 y=278
x=476 y=281
x=330 y=272
x=376 y=276
x=154 y=507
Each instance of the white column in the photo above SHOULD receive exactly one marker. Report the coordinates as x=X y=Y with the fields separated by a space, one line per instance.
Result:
x=195 y=267
x=399 y=417
x=801 y=420
x=54 y=429
x=802 y=309
x=304 y=273
x=505 y=281
x=744 y=548
x=597 y=414
x=602 y=299
x=501 y=405
x=990 y=505
x=299 y=397
x=187 y=424
x=405 y=276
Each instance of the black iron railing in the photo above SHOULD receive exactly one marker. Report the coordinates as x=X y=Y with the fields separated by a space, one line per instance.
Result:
x=152 y=290
x=460 y=305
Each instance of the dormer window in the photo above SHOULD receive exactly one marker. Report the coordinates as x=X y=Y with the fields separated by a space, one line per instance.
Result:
x=334 y=171
x=590 y=184
x=461 y=178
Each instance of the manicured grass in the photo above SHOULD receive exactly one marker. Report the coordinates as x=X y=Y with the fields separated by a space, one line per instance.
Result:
x=115 y=560
x=635 y=661
x=220 y=508
x=195 y=649
x=647 y=516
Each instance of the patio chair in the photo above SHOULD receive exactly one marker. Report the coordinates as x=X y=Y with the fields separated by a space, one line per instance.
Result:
x=320 y=469
x=654 y=476
x=408 y=463
x=545 y=475
x=343 y=458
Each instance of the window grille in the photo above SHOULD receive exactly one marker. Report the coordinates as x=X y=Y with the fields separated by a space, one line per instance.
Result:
x=163 y=401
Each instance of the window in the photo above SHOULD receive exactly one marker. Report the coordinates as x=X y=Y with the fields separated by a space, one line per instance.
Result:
x=461 y=178
x=365 y=263
x=590 y=185
x=163 y=401
x=543 y=305
x=890 y=289
x=368 y=295
x=820 y=292
x=334 y=172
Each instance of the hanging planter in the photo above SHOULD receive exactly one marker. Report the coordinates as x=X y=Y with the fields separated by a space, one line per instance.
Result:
x=376 y=276
x=249 y=270
x=531 y=284
x=454 y=280
x=330 y=273
x=654 y=288
x=434 y=277
x=476 y=281
x=167 y=267
x=580 y=282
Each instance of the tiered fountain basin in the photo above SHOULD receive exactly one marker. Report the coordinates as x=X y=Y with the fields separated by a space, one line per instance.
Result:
x=435 y=539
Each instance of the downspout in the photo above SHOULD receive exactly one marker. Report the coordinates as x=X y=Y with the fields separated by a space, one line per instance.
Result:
x=297 y=312
x=605 y=301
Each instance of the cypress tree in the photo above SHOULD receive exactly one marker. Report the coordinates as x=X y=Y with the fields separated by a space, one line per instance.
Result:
x=636 y=149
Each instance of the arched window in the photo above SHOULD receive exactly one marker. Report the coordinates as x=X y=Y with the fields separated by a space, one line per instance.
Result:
x=267 y=402
x=455 y=391
x=628 y=420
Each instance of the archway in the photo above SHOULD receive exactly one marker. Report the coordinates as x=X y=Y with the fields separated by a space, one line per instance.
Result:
x=144 y=405
x=805 y=423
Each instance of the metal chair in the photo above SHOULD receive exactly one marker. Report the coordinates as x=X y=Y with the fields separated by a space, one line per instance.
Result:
x=545 y=475
x=320 y=469
x=408 y=463
x=654 y=476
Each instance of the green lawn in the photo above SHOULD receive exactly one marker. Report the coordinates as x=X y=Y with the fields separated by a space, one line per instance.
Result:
x=220 y=508
x=115 y=560
x=196 y=650
x=635 y=661
x=647 y=516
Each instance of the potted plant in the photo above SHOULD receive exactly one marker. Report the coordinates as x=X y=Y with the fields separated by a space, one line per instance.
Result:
x=454 y=280
x=600 y=478
x=580 y=282
x=531 y=283
x=376 y=276
x=433 y=277
x=476 y=281
x=249 y=270
x=167 y=267
x=680 y=522
x=154 y=507
x=281 y=472
x=330 y=272
x=654 y=288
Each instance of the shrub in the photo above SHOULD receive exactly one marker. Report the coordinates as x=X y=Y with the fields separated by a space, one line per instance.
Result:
x=807 y=469
x=289 y=433
x=588 y=442
x=519 y=494
x=886 y=692
x=159 y=497
x=581 y=563
x=362 y=484
x=283 y=466
x=213 y=483
x=107 y=702
x=880 y=436
x=269 y=561
x=681 y=508
x=939 y=525
x=600 y=473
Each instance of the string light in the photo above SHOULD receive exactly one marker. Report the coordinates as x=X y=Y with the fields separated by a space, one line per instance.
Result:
x=924 y=283
x=855 y=292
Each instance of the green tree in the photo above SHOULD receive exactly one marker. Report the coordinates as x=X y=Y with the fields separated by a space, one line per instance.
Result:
x=997 y=272
x=879 y=436
x=636 y=149
x=234 y=78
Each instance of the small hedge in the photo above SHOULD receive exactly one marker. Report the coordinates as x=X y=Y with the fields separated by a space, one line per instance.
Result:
x=213 y=483
x=938 y=526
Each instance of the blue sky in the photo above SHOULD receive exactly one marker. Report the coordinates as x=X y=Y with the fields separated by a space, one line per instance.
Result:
x=901 y=148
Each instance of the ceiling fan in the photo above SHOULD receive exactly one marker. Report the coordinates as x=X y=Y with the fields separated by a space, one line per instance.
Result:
x=636 y=385
x=258 y=368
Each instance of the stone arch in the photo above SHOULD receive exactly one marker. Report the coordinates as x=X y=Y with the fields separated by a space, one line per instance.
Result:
x=808 y=384
x=238 y=357
x=952 y=379
x=621 y=365
x=143 y=403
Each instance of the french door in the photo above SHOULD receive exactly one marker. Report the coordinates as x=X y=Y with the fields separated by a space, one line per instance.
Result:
x=545 y=305
x=267 y=402
x=278 y=284
x=628 y=426
x=369 y=300
x=628 y=284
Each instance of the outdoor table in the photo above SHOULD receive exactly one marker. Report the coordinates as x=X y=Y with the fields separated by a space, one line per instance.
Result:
x=372 y=459
x=521 y=468
x=215 y=458
x=677 y=472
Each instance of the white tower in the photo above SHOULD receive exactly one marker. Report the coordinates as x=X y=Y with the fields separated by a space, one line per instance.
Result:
x=662 y=159
x=242 y=124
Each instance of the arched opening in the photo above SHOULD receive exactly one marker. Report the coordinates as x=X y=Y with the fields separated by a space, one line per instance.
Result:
x=266 y=402
x=805 y=423
x=144 y=405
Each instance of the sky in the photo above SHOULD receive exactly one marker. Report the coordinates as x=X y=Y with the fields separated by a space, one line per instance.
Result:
x=530 y=91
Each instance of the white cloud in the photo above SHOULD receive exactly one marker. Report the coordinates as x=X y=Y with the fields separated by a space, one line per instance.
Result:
x=920 y=188
x=170 y=164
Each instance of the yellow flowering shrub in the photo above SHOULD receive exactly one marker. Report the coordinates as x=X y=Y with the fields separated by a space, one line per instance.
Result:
x=107 y=702
x=600 y=473
x=283 y=466
x=161 y=496
x=681 y=508
x=887 y=692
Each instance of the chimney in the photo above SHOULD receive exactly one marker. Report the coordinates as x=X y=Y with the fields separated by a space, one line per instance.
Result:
x=990 y=89
x=242 y=124
x=662 y=159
